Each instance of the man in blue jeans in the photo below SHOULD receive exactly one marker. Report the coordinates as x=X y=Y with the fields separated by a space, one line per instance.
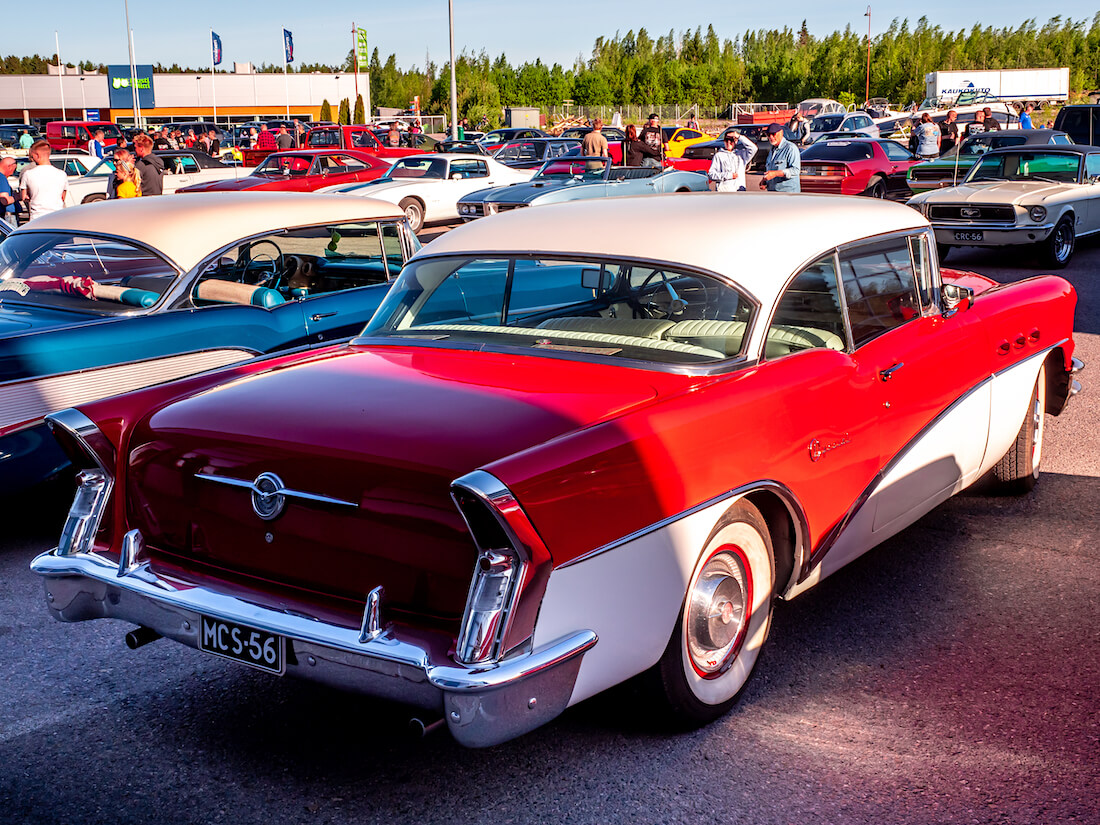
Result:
x=784 y=163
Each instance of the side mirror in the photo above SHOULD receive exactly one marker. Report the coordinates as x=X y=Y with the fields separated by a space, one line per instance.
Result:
x=952 y=297
x=598 y=279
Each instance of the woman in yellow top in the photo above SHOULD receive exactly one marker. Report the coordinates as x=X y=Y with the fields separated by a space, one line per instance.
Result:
x=127 y=177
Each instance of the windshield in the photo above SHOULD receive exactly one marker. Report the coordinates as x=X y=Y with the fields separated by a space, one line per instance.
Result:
x=578 y=169
x=417 y=166
x=1047 y=167
x=81 y=272
x=103 y=168
x=284 y=165
x=593 y=307
x=827 y=123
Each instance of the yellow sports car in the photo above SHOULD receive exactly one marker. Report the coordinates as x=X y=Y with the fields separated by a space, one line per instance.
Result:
x=679 y=138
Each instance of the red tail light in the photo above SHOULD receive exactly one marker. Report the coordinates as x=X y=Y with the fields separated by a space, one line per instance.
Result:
x=829 y=169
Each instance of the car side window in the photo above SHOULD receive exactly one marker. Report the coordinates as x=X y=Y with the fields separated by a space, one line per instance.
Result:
x=1092 y=167
x=894 y=151
x=809 y=314
x=879 y=288
x=469 y=169
x=1061 y=140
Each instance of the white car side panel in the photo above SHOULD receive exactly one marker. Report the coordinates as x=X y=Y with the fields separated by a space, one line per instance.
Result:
x=1012 y=389
x=26 y=402
x=630 y=596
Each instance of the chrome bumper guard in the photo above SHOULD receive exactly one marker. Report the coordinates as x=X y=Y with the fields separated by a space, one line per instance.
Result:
x=483 y=705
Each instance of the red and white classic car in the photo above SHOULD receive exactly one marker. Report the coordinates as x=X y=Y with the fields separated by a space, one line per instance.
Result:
x=574 y=445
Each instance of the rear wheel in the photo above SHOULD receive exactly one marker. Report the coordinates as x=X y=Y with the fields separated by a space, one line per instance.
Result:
x=876 y=189
x=94 y=198
x=1058 y=248
x=414 y=212
x=723 y=622
x=1018 y=470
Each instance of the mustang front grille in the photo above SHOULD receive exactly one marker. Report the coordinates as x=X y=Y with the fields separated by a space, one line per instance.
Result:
x=966 y=213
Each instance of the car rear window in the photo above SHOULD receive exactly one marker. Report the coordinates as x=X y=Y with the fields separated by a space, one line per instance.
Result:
x=827 y=123
x=840 y=150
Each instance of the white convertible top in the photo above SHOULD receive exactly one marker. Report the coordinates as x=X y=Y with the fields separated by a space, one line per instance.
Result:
x=186 y=228
x=756 y=240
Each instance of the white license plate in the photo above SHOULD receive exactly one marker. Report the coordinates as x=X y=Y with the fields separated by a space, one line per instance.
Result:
x=248 y=645
x=969 y=236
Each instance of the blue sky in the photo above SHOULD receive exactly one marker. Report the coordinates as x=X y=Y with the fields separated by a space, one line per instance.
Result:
x=180 y=34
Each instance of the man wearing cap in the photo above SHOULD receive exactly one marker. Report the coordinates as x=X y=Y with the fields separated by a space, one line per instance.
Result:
x=727 y=169
x=784 y=163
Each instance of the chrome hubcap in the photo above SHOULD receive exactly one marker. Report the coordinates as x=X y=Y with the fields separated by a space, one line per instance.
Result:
x=718 y=613
x=1063 y=243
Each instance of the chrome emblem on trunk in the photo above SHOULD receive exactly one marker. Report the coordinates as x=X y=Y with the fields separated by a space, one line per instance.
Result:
x=267 y=496
x=970 y=212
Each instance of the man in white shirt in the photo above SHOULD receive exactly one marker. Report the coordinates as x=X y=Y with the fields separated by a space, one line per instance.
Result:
x=43 y=185
x=727 y=169
x=95 y=145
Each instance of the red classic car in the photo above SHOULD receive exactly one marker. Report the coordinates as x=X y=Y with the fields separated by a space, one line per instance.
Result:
x=559 y=457
x=359 y=137
x=857 y=166
x=302 y=170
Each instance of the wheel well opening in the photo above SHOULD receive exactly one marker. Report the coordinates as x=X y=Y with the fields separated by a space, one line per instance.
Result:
x=783 y=534
x=1058 y=381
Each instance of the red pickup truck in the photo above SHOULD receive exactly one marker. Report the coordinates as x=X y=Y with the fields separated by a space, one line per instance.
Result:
x=358 y=137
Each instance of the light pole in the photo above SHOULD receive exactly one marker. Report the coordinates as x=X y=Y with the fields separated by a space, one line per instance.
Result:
x=867 y=94
x=60 y=79
x=83 y=100
x=454 y=93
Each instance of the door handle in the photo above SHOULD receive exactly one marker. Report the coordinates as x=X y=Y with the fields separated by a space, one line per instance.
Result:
x=888 y=373
x=317 y=316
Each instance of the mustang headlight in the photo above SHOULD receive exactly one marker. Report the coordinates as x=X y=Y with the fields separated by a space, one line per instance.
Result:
x=86 y=511
x=1038 y=213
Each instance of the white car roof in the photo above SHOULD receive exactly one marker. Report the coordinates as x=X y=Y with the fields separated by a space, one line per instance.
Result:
x=186 y=228
x=757 y=241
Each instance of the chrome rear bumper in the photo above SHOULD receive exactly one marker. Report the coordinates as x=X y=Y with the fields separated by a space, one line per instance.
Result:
x=483 y=704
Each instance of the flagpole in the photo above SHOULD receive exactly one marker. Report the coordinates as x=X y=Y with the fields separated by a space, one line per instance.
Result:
x=133 y=67
x=355 y=55
x=286 y=81
x=213 y=93
x=133 y=83
x=60 y=79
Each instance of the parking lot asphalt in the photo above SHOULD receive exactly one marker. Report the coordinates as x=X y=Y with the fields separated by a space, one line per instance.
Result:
x=951 y=675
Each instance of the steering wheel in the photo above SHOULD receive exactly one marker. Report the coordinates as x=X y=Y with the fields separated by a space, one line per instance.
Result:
x=245 y=263
x=663 y=303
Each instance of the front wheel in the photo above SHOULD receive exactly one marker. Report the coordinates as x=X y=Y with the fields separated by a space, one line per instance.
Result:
x=414 y=213
x=723 y=622
x=1018 y=469
x=1058 y=248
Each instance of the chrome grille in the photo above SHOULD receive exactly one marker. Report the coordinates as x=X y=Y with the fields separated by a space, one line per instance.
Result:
x=967 y=213
x=504 y=207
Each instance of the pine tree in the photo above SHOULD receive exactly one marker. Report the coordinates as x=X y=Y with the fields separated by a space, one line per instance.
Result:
x=345 y=112
x=359 y=116
x=326 y=110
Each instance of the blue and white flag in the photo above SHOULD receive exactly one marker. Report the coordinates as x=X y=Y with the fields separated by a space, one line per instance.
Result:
x=216 y=47
x=288 y=45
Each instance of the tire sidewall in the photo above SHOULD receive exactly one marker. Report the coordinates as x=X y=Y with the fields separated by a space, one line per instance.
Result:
x=744 y=529
x=419 y=223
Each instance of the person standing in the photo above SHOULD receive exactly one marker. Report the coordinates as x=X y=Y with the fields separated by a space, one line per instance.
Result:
x=991 y=124
x=7 y=197
x=161 y=140
x=1025 y=116
x=95 y=145
x=125 y=182
x=43 y=186
x=727 y=168
x=743 y=147
x=265 y=140
x=653 y=138
x=978 y=126
x=949 y=131
x=215 y=144
x=284 y=140
x=594 y=144
x=798 y=130
x=928 y=138
x=25 y=140
x=149 y=166
x=784 y=163
x=692 y=122
x=637 y=152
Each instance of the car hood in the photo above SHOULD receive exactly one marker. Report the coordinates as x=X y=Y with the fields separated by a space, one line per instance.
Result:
x=381 y=433
x=525 y=192
x=232 y=184
x=1006 y=192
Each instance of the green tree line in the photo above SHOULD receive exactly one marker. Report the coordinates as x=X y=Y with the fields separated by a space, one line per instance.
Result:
x=696 y=67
